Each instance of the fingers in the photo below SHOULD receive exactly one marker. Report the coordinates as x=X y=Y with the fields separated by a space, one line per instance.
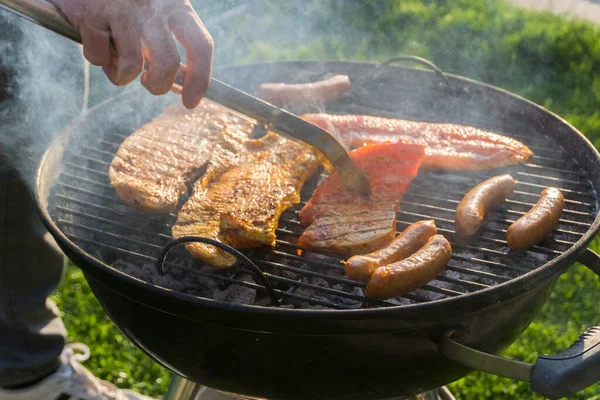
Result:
x=96 y=46
x=128 y=62
x=163 y=58
x=198 y=43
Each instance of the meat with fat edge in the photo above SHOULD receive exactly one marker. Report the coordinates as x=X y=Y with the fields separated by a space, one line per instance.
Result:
x=447 y=146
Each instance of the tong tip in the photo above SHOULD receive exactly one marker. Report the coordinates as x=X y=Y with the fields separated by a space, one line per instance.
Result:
x=357 y=182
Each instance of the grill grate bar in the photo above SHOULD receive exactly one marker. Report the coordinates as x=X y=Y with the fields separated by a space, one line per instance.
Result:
x=80 y=178
x=567 y=201
x=553 y=159
x=99 y=151
x=558 y=170
x=111 y=222
x=576 y=192
x=475 y=272
x=459 y=195
x=494 y=264
x=88 y=158
x=551 y=178
x=86 y=191
x=461 y=282
x=86 y=169
x=106 y=209
x=511 y=211
x=468 y=181
x=106 y=143
x=508 y=201
x=110 y=234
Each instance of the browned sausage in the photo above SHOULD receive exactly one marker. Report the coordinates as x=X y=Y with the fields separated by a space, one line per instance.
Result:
x=479 y=200
x=401 y=277
x=361 y=268
x=320 y=92
x=538 y=223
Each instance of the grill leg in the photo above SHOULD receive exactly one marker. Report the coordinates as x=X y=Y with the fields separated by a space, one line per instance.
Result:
x=182 y=389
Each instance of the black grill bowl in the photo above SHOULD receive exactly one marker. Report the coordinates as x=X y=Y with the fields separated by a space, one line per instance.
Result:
x=376 y=353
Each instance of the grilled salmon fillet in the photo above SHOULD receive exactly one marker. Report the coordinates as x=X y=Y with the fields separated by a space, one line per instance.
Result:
x=343 y=223
x=240 y=199
x=447 y=146
x=153 y=166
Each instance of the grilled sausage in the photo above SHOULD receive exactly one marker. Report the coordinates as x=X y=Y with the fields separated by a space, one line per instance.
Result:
x=478 y=201
x=361 y=268
x=281 y=94
x=538 y=223
x=401 y=277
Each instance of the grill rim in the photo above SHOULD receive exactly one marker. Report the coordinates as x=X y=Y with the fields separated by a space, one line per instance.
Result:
x=475 y=300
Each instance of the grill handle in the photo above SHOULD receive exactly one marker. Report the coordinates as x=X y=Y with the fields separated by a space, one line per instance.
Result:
x=553 y=376
x=258 y=273
x=416 y=60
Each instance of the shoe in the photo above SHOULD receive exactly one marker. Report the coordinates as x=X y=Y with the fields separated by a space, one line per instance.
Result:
x=71 y=381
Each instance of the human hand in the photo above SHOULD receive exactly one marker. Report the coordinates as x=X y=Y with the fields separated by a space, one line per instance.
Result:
x=141 y=30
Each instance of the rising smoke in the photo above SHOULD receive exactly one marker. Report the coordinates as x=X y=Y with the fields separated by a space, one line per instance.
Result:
x=42 y=92
x=45 y=72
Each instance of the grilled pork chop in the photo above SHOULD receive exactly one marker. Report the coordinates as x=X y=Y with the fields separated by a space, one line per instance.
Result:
x=340 y=222
x=153 y=166
x=240 y=198
x=447 y=146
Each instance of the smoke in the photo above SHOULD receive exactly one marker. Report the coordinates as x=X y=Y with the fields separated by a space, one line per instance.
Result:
x=45 y=72
x=42 y=90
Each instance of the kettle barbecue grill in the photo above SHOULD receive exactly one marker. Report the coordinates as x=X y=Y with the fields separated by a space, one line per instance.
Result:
x=324 y=339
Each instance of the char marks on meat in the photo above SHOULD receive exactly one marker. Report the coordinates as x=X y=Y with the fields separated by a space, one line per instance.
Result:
x=153 y=166
x=447 y=146
x=244 y=192
x=343 y=223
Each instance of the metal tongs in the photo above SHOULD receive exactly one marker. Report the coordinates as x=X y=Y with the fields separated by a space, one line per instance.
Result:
x=276 y=119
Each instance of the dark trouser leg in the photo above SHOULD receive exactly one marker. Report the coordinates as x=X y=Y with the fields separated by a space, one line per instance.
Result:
x=32 y=335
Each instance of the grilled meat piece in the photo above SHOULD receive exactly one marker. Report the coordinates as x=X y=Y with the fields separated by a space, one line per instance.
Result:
x=473 y=207
x=153 y=166
x=281 y=94
x=447 y=146
x=537 y=223
x=399 y=278
x=341 y=222
x=240 y=204
x=361 y=267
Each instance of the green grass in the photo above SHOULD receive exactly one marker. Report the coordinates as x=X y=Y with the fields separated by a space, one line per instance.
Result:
x=545 y=58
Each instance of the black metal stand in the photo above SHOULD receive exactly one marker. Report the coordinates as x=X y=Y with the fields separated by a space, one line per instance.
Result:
x=182 y=389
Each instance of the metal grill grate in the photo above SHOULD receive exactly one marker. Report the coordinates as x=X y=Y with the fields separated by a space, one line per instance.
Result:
x=88 y=211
